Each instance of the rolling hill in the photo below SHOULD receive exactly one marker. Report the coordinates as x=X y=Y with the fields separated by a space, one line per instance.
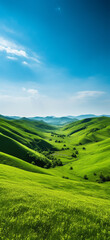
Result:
x=69 y=200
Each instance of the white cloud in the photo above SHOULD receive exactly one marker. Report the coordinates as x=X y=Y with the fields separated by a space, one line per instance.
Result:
x=31 y=91
x=13 y=50
x=9 y=50
x=5 y=43
x=12 y=58
x=88 y=94
x=25 y=63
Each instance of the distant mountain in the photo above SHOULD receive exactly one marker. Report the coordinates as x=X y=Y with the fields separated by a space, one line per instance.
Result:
x=55 y=120
x=9 y=117
x=105 y=115
x=80 y=117
x=62 y=120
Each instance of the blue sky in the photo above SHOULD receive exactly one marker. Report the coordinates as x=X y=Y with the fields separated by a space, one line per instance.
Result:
x=54 y=57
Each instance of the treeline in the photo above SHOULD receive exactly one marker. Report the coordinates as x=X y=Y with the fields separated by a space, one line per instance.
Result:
x=47 y=162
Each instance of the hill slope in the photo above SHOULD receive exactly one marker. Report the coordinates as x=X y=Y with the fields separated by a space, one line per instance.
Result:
x=16 y=162
x=38 y=206
x=25 y=139
x=82 y=145
x=85 y=148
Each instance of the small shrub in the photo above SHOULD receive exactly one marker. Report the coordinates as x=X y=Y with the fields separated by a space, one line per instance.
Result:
x=71 y=168
x=108 y=178
x=76 y=152
x=74 y=155
x=65 y=177
x=85 y=177
x=74 y=148
x=102 y=178
x=84 y=148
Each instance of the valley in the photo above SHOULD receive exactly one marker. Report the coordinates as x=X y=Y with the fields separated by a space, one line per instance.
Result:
x=55 y=180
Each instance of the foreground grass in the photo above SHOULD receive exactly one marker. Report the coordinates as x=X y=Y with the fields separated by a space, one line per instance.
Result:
x=39 y=206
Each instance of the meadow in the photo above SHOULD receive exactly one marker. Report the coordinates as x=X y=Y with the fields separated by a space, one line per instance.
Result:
x=54 y=181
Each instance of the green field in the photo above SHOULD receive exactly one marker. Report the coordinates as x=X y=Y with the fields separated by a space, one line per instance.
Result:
x=55 y=181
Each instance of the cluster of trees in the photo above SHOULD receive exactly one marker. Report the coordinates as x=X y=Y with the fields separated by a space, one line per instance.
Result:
x=58 y=135
x=47 y=162
x=65 y=148
x=38 y=161
x=103 y=178
x=74 y=155
x=58 y=141
x=54 y=161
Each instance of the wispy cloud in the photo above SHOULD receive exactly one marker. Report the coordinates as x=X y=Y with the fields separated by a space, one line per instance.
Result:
x=88 y=94
x=13 y=50
x=7 y=29
x=31 y=91
x=12 y=58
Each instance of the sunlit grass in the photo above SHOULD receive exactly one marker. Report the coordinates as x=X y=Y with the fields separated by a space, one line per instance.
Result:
x=36 y=206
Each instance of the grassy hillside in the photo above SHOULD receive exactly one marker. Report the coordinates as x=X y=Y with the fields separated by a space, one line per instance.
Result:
x=69 y=201
x=37 y=206
x=86 y=148
x=25 y=131
x=90 y=127
x=25 y=139
x=16 y=149
x=16 y=162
